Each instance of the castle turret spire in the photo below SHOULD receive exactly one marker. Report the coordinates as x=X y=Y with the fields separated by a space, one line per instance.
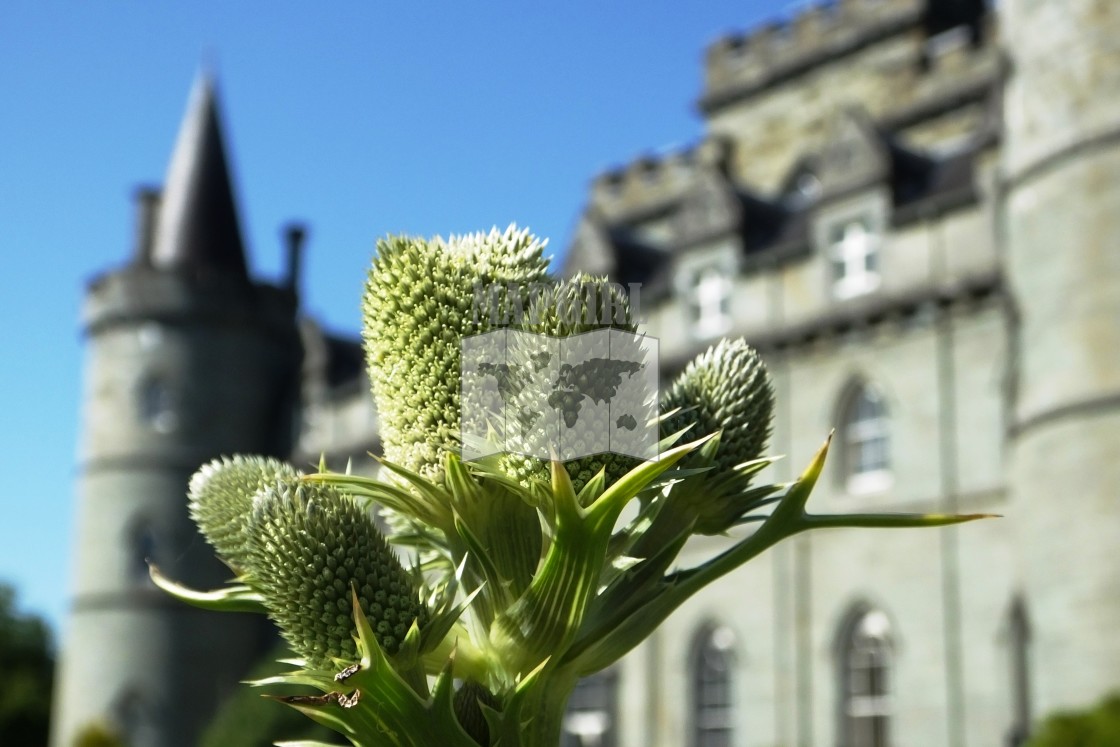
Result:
x=179 y=372
x=198 y=226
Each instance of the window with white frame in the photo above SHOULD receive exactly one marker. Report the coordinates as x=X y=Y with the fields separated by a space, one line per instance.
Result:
x=709 y=301
x=865 y=671
x=865 y=440
x=854 y=255
x=592 y=716
x=713 y=707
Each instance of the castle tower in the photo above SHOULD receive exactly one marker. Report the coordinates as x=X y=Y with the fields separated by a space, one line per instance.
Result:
x=1061 y=225
x=188 y=359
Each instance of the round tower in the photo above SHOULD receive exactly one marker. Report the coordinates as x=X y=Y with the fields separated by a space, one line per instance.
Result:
x=1061 y=222
x=187 y=359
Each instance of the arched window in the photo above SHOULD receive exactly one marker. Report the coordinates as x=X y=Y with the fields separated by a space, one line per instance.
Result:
x=592 y=716
x=864 y=440
x=1018 y=635
x=157 y=404
x=131 y=715
x=141 y=543
x=713 y=691
x=865 y=674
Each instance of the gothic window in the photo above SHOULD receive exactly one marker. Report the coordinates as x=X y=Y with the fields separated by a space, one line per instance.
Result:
x=1018 y=642
x=155 y=404
x=854 y=256
x=864 y=440
x=865 y=673
x=713 y=706
x=592 y=716
x=709 y=301
x=141 y=548
x=131 y=714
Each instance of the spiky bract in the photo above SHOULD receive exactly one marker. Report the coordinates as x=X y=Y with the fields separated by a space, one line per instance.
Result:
x=724 y=388
x=310 y=546
x=422 y=298
x=220 y=500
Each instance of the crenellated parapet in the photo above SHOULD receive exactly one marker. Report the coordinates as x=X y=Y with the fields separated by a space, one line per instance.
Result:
x=647 y=180
x=739 y=64
x=651 y=181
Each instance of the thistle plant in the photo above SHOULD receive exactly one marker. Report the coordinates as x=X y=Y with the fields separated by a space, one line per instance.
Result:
x=519 y=575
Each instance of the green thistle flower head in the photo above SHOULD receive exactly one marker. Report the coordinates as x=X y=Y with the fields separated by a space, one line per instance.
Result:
x=579 y=304
x=724 y=388
x=310 y=545
x=220 y=500
x=422 y=298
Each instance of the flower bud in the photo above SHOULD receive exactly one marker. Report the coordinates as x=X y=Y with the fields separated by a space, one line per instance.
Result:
x=310 y=545
x=727 y=388
x=422 y=298
x=220 y=500
x=468 y=703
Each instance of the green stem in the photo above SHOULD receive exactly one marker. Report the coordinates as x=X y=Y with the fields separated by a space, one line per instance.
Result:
x=534 y=715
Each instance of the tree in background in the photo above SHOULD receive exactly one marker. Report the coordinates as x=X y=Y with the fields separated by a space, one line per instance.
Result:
x=27 y=663
x=1096 y=727
x=248 y=719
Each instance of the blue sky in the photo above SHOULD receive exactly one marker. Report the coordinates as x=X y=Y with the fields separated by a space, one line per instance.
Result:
x=362 y=119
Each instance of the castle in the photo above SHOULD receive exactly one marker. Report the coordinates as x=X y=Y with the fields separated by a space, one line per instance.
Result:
x=909 y=206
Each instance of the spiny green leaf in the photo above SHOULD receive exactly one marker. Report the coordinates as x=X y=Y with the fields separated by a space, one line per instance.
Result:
x=235 y=598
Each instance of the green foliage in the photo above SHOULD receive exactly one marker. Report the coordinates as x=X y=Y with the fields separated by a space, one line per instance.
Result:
x=27 y=664
x=528 y=576
x=248 y=719
x=97 y=734
x=1096 y=727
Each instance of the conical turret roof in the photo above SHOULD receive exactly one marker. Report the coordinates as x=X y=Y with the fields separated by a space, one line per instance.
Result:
x=198 y=227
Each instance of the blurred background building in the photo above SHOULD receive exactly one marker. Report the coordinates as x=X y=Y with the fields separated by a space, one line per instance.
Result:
x=909 y=206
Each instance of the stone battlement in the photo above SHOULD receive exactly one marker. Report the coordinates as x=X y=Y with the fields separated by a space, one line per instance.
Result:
x=739 y=64
x=645 y=179
x=656 y=178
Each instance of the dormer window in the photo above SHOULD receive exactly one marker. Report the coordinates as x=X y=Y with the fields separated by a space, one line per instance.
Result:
x=854 y=254
x=808 y=188
x=710 y=301
x=803 y=191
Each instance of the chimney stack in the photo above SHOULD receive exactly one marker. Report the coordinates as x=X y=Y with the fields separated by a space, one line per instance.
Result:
x=147 y=213
x=294 y=236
